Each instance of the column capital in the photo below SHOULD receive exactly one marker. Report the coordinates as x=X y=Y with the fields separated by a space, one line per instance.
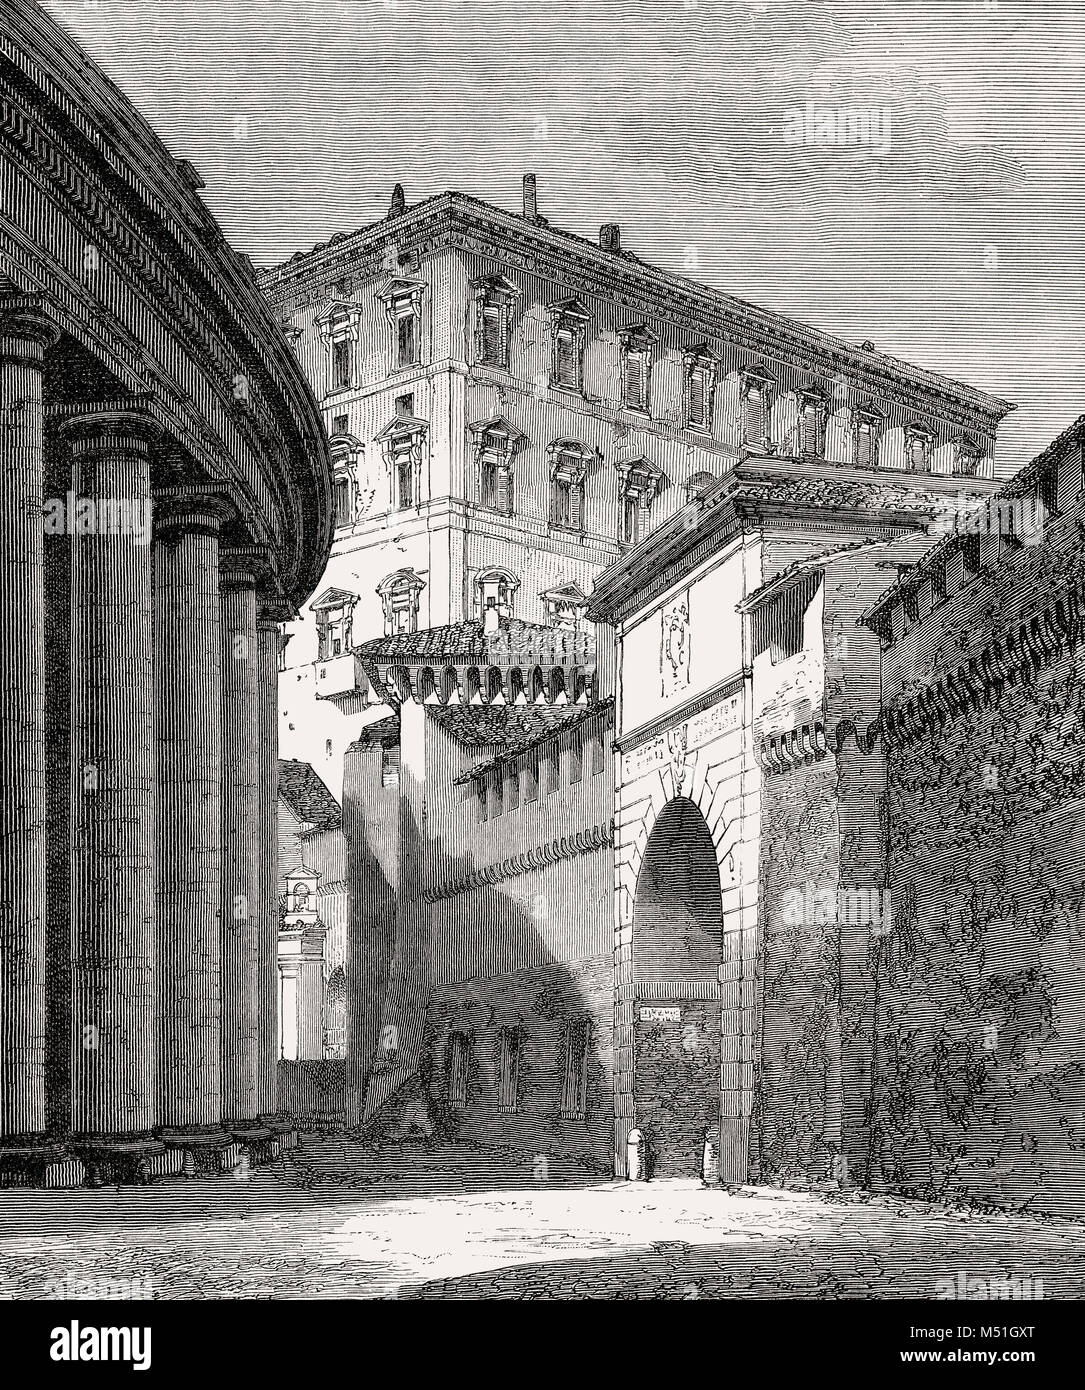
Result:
x=272 y=610
x=247 y=566
x=26 y=331
x=123 y=426
x=190 y=511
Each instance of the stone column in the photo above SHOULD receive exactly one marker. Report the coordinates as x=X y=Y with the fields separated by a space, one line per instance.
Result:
x=189 y=885
x=25 y=333
x=267 y=926
x=114 y=1012
x=240 y=846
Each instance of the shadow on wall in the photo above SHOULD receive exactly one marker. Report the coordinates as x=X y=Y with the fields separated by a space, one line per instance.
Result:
x=519 y=1054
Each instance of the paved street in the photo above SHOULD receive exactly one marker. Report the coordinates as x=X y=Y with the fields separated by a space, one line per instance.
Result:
x=340 y=1222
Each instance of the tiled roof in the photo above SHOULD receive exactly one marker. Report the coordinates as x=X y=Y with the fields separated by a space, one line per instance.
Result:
x=307 y=796
x=467 y=642
x=508 y=730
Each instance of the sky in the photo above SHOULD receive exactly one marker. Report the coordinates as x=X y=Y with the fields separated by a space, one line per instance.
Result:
x=948 y=230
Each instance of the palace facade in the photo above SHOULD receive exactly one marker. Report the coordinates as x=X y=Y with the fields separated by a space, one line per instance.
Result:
x=165 y=506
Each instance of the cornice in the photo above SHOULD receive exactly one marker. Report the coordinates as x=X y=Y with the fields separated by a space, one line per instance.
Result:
x=1029 y=645
x=587 y=841
x=453 y=221
x=87 y=151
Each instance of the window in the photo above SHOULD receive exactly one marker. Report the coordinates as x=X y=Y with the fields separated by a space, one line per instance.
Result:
x=327 y=747
x=636 y=365
x=334 y=610
x=552 y=769
x=509 y=1044
x=512 y=777
x=459 y=1068
x=970 y=554
x=399 y=594
x=868 y=434
x=917 y=447
x=340 y=425
x=756 y=405
x=480 y=794
x=565 y=605
x=569 y=320
x=403 y=463
x=495 y=476
x=402 y=299
x=597 y=754
x=574 y=1091
x=568 y=464
x=576 y=759
x=390 y=756
x=968 y=455
x=497 y=789
x=406 y=340
x=496 y=441
x=405 y=406
x=531 y=778
x=938 y=583
x=701 y=371
x=1048 y=493
x=566 y=504
x=342 y=363
x=495 y=589
x=640 y=480
x=813 y=416
x=344 y=502
x=494 y=301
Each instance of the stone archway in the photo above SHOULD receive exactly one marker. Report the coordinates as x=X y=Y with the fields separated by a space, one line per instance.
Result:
x=677 y=951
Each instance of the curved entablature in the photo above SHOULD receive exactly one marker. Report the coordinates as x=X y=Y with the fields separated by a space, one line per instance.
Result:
x=103 y=234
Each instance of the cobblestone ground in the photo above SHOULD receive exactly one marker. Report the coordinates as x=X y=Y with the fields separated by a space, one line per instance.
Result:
x=337 y=1221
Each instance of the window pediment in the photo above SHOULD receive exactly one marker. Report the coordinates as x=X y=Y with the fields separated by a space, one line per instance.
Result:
x=333 y=598
x=637 y=335
x=570 y=308
x=401 y=427
x=341 y=316
x=400 y=288
x=570 y=459
x=495 y=287
x=499 y=426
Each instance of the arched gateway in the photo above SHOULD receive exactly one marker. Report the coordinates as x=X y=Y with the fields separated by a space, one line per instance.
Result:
x=677 y=944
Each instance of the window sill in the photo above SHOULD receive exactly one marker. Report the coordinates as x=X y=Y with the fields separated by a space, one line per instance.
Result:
x=572 y=1114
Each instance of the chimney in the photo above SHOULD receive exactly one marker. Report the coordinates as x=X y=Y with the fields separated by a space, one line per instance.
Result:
x=398 y=201
x=610 y=236
x=531 y=210
x=491 y=618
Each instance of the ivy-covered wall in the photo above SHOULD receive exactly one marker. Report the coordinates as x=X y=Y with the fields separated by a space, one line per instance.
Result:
x=980 y=1076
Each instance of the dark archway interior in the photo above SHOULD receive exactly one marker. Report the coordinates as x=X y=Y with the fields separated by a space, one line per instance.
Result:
x=678 y=911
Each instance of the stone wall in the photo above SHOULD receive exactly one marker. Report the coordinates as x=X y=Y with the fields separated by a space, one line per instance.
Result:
x=541 y=1002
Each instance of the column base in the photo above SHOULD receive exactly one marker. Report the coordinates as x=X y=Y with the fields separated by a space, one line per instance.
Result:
x=28 y=1164
x=198 y=1148
x=284 y=1135
x=136 y=1159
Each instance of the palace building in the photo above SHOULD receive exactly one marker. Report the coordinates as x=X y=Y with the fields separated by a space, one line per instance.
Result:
x=165 y=506
x=531 y=434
